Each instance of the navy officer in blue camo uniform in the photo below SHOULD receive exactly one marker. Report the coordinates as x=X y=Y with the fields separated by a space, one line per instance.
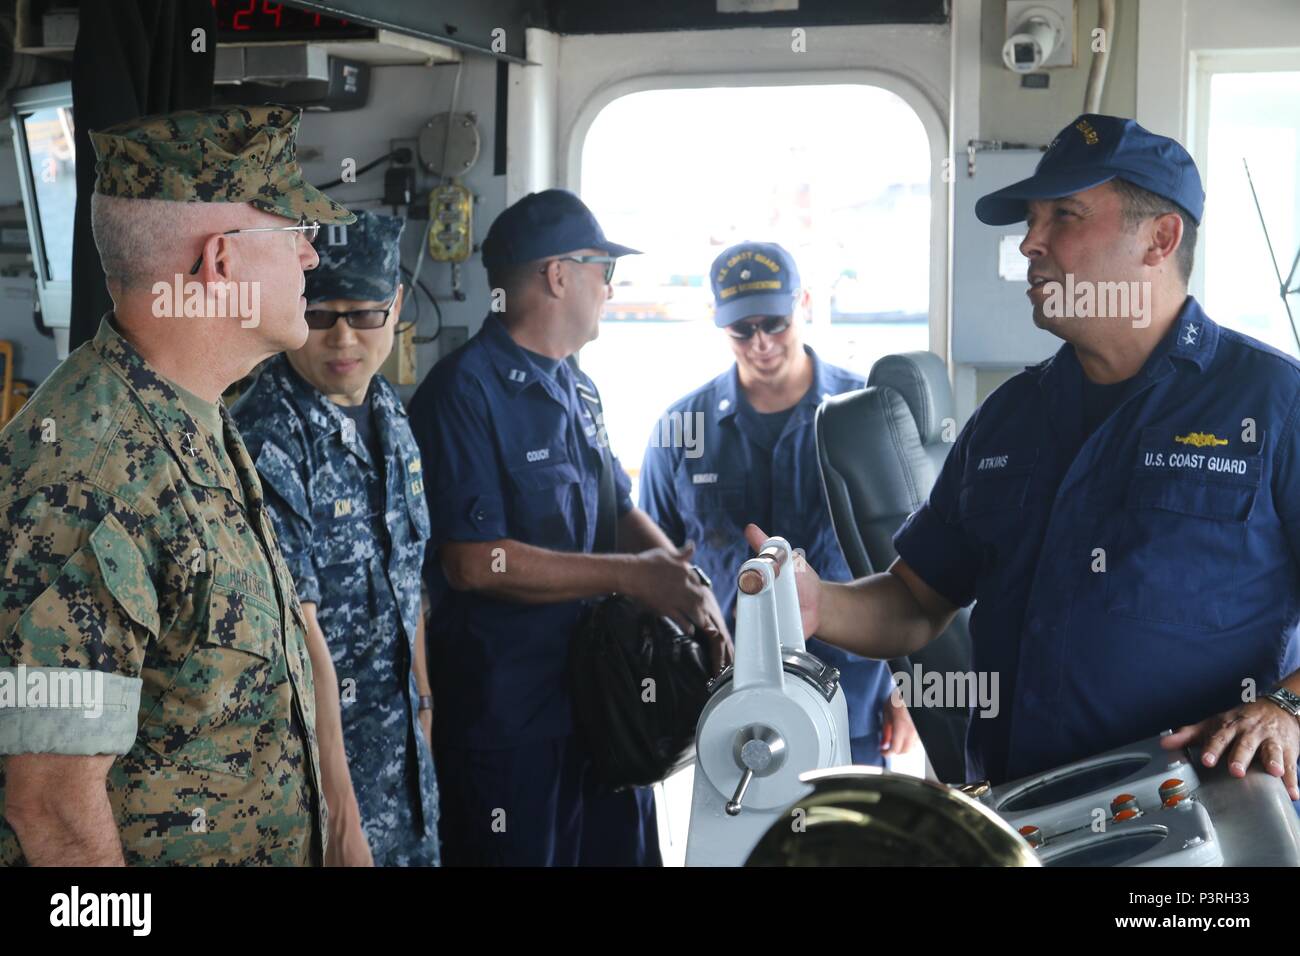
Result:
x=1126 y=514
x=513 y=438
x=743 y=448
x=344 y=486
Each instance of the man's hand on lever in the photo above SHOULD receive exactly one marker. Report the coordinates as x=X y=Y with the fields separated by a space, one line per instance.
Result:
x=807 y=583
x=1258 y=729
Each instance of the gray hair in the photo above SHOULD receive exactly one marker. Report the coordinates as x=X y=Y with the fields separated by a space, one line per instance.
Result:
x=141 y=239
x=1139 y=205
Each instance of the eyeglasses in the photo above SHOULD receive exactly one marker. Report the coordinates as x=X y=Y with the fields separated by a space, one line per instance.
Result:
x=324 y=319
x=771 y=325
x=309 y=230
x=610 y=262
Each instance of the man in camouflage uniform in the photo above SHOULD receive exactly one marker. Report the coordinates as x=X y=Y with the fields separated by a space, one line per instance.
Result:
x=138 y=554
x=345 y=491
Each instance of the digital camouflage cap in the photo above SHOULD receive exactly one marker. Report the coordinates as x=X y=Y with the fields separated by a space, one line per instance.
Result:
x=359 y=262
x=236 y=154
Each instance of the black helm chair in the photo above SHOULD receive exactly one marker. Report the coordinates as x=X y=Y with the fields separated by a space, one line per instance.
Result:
x=881 y=449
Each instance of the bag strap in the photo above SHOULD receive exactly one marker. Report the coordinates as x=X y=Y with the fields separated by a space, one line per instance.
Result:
x=606 y=506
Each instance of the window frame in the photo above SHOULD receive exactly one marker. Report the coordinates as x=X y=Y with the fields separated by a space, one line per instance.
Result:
x=574 y=139
x=1204 y=65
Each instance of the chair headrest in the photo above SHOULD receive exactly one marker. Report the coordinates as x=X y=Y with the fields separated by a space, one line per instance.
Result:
x=922 y=379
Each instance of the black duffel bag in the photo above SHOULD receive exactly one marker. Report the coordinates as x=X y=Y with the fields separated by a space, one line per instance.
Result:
x=638 y=685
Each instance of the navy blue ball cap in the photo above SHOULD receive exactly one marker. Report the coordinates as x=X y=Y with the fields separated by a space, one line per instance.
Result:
x=1095 y=149
x=545 y=224
x=753 y=278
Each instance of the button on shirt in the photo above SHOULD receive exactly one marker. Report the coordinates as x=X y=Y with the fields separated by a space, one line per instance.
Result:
x=511 y=452
x=353 y=529
x=1136 y=579
x=713 y=465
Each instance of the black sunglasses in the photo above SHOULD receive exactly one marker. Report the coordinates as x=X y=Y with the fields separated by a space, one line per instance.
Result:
x=771 y=325
x=322 y=319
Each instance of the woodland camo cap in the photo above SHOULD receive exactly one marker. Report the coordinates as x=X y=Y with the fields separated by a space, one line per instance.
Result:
x=236 y=154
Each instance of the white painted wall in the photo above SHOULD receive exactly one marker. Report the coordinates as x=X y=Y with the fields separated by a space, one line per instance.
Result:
x=1178 y=37
x=964 y=124
x=531 y=126
x=1173 y=33
x=402 y=100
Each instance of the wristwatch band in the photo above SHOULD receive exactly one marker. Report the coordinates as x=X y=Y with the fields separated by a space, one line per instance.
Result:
x=1286 y=700
x=424 y=702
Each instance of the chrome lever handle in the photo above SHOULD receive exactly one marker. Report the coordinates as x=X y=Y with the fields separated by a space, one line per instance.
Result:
x=733 y=805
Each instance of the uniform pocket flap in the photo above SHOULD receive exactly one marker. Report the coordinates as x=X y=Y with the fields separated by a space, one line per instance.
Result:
x=277 y=471
x=983 y=495
x=237 y=621
x=713 y=497
x=1222 y=501
x=122 y=567
x=542 y=477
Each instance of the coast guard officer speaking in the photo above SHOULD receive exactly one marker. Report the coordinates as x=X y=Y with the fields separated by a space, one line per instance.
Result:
x=1126 y=514
x=754 y=458
x=513 y=440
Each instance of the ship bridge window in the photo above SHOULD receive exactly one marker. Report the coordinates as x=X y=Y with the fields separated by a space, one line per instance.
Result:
x=1248 y=108
x=840 y=175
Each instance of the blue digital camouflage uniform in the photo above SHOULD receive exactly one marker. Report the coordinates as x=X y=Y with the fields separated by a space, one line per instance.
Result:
x=353 y=533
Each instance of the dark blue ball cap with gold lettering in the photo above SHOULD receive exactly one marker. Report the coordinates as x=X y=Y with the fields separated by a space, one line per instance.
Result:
x=545 y=224
x=1095 y=149
x=753 y=278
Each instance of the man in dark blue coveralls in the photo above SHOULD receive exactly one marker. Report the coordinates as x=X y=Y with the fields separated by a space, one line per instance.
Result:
x=512 y=437
x=743 y=448
x=1126 y=514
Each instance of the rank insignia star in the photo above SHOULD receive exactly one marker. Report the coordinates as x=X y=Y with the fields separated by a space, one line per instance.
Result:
x=1189 y=336
x=188 y=444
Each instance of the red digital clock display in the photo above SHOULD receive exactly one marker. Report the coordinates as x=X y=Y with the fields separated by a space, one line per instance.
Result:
x=245 y=21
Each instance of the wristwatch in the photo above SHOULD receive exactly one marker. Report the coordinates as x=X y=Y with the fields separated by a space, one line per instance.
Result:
x=424 y=702
x=1286 y=700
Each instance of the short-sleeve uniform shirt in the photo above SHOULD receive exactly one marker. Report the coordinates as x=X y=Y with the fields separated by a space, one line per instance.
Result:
x=511 y=451
x=713 y=466
x=1134 y=579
